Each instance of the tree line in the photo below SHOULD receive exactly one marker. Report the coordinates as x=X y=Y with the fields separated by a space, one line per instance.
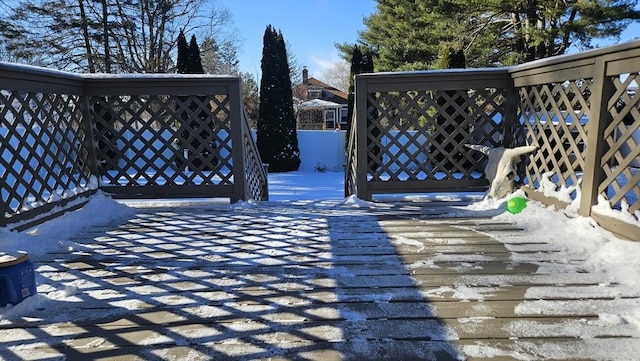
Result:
x=419 y=34
x=115 y=36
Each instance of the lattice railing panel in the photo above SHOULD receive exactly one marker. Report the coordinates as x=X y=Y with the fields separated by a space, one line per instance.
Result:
x=621 y=160
x=163 y=140
x=43 y=150
x=421 y=135
x=351 y=168
x=554 y=117
x=255 y=172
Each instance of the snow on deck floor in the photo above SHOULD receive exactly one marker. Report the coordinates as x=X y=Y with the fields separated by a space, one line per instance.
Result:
x=326 y=279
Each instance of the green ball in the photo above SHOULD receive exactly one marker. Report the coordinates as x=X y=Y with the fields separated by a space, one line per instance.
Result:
x=516 y=205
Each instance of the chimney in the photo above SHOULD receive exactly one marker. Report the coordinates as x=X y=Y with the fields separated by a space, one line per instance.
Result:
x=305 y=75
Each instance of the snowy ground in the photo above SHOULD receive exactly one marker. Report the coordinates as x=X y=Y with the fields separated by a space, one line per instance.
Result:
x=579 y=237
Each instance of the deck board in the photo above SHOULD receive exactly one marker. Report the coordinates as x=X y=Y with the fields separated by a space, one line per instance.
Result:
x=284 y=282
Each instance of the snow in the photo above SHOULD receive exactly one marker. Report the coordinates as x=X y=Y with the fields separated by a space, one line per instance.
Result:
x=53 y=237
x=549 y=189
x=624 y=215
x=584 y=247
x=580 y=238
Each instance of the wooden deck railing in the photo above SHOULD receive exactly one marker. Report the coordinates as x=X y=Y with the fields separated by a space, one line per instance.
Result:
x=64 y=136
x=581 y=110
x=411 y=129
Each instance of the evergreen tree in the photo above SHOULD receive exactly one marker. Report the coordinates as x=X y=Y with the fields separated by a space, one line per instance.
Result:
x=401 y=33
x=409 y=34
x=361 y=63
x=219 y=58
x=194 y=61
x=183 y=54
x=356 y=66
x=295 y=70
x=277 y=137
x=250 y=98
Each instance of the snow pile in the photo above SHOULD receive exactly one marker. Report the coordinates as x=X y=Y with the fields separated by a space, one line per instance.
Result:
x=53 y=237
x=549 y=188
x=355 y=202
x=604 y=208
x=564 y=194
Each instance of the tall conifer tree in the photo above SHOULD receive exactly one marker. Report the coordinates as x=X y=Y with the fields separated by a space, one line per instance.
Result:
x=183 y=54
x=194 y=61
x=277 y=136
x=362 y=62
x=356 y=60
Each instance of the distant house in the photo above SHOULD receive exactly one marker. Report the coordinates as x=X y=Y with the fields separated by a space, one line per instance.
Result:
x=319 y=105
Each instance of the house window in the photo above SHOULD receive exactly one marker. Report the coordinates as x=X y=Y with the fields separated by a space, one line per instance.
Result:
x=330 y=118
x=343 y=115
x=315 y=93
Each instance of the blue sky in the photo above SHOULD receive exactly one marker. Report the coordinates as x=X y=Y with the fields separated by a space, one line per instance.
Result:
x=310 y=27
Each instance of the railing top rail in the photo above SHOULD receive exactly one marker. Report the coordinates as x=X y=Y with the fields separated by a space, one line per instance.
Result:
x=155 y=76
x=156 y=84
x=30 y=69
x=435 y=73
x=448 y=79
x=32 y=78
x=454 y=75
x=115 y=83
x=15 y=70
x=573 y=60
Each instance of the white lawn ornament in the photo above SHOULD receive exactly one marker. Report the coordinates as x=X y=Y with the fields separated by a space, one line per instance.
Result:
x=501 y=167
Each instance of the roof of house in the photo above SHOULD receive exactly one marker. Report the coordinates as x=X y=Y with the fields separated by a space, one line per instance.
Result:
x=313 y=83
x=318 y=104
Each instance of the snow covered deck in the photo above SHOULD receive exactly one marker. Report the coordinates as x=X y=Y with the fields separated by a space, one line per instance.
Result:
x=329 y=280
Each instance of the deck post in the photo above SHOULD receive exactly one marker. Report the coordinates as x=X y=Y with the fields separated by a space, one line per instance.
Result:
x=361 y=112
x=599 y=118
x=235 y=114
x=510 y=122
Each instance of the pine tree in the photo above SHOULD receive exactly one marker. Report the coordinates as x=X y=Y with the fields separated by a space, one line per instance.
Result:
x=183 y=54
x=277 y=137
x=356 y=66
x=194 y=61
x=361 y=63
x=409 y=34
x=400 y=33
x=250 y=97
x=219 y=58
